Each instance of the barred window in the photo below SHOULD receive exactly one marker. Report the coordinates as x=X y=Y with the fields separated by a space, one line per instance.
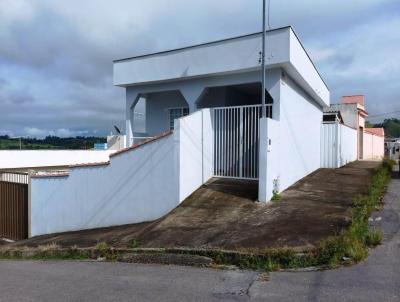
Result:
x=175 y=113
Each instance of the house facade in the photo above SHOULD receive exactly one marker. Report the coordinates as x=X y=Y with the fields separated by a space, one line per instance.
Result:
x=192 y=114
x=224 y=76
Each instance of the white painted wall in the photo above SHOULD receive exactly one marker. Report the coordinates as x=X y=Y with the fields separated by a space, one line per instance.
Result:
x=330 y=145
x=269 y=159
x=348 y=145
x=338 y=145
x=12 y=159
x=195 y=137
x=232 y=56
x=300 y=133
x=305 y=69
x=373 y=146
x=213 y=58
x=138 y=185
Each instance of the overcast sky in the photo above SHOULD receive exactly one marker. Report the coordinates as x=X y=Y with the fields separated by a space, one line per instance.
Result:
x=56 y=56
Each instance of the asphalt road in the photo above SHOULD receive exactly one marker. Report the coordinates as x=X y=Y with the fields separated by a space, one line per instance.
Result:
x=377 y=279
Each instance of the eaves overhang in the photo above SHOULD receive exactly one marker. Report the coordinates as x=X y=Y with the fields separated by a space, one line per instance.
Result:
x=229 y=56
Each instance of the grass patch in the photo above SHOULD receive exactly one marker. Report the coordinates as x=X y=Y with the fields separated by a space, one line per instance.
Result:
x=352 y=244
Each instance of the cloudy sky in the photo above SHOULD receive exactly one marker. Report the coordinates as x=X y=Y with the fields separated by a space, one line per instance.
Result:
x=56 y=56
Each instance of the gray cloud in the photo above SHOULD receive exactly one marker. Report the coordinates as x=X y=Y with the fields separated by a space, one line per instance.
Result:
x=56 y=56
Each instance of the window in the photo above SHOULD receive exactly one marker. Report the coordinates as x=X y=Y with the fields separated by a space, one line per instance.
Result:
x=174 y=113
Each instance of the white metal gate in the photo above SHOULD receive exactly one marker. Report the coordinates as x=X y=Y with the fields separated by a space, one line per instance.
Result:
x=236 y=140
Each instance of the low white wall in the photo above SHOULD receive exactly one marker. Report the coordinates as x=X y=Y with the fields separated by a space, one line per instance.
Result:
x=12 y=159
x=138 y=185
x=195 y=135
x=269 y=167
x=348 y=145
x=338 y=145
x=373 y=146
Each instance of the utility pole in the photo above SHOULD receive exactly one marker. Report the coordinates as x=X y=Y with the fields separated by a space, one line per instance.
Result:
x=263 y=110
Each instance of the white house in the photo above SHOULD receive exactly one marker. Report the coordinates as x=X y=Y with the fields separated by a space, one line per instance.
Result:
x=226 y=75
x=200 y=107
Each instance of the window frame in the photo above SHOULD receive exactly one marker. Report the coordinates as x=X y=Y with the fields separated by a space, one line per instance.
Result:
x=171 y=123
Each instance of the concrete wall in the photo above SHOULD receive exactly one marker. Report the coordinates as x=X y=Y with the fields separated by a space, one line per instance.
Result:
x=237 y=55
x=157 y=105
x=300 y=133
x=116 y=142
x=338 y=145
x=348 y=145
x=140 y=184
x=12 y=159
x=349 y=114
x=373 y=146
x=209 y=59
x=269 y=160
x=195 y=140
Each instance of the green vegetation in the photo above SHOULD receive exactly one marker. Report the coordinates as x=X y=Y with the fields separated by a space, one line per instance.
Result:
x=135 y=243
x=49 y=142
x=276 y=197
x=391 y=126
x=352 y=244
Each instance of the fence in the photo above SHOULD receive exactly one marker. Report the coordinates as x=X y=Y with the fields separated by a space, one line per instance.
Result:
x=338 y=145
x=14 y=205
x=236 y=140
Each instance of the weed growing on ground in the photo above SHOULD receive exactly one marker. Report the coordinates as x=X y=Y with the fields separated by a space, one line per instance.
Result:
x=135 y=243
x=352 y=244
x=276 y=197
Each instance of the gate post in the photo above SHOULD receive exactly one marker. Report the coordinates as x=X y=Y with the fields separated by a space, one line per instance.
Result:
x=268 y=159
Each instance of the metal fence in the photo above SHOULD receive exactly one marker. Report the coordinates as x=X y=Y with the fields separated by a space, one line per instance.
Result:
x=14 y=205
x=236 y=140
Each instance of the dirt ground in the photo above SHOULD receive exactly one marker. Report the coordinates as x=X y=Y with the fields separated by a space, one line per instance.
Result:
x=223 y=213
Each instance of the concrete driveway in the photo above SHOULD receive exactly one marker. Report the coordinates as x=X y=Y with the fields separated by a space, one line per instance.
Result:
x=223 y=214
x=377 y=279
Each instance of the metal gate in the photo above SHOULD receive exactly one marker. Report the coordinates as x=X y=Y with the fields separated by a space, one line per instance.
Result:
x=236 y=140
x=14 y=205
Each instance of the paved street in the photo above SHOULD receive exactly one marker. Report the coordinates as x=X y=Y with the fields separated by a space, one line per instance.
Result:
x=377 y=279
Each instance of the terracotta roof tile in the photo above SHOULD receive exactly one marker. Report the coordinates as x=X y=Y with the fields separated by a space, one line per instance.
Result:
x=142 y=143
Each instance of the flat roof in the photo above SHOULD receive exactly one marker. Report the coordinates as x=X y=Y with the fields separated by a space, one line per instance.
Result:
x=220 y=41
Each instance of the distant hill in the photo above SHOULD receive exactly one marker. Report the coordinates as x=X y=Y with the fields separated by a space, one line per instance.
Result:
x=50 y=142
x=391 y=126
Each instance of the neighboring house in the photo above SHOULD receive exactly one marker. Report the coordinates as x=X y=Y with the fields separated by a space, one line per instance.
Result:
x=370 y=141
x=201 y=106
x=352 y=110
